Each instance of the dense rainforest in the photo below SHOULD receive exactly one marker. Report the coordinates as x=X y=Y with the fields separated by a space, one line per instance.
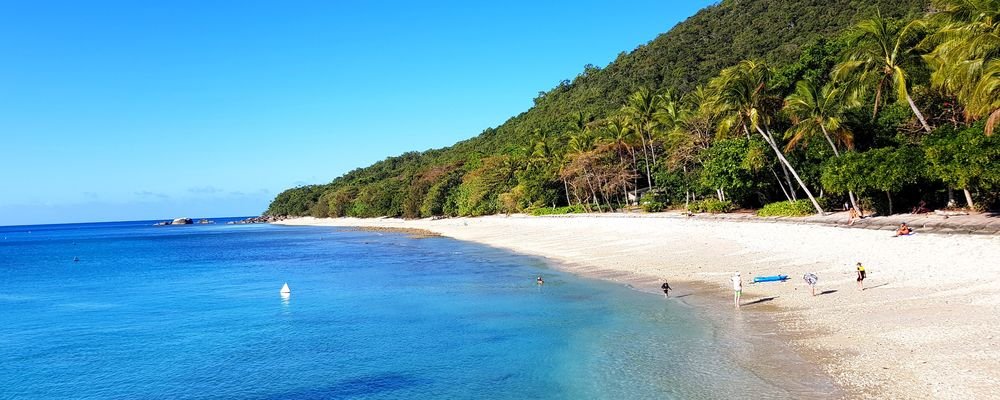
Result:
x=792 y=107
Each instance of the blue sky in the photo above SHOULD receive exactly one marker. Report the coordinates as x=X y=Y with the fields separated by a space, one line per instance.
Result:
x=152 y=110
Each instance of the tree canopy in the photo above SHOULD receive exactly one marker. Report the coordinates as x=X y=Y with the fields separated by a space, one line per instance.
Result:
x=746 y=103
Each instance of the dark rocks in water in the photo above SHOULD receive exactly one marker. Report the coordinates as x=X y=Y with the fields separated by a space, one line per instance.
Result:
x=205 y=221
x=182 y=221
x=263 y=219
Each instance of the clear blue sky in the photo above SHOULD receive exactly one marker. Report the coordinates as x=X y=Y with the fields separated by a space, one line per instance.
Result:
x=152 y=110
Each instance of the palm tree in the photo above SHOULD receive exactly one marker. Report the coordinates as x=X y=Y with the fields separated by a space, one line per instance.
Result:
x=965 y=59
x=879 y=56
x=743 y=96
x=581 y=141
x=966 y=55
x=814 y=111
x=641 y=108
x=619 y=133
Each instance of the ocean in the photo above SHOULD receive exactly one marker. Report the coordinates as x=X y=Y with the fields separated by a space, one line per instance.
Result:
x=194 y=312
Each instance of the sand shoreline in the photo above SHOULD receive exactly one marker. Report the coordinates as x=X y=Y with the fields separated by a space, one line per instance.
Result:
x=923 y=330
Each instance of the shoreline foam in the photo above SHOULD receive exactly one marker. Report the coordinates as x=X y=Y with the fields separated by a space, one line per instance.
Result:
x=924 y=330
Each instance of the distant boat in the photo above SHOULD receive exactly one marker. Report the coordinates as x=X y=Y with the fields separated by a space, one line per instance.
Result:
x=285 y=289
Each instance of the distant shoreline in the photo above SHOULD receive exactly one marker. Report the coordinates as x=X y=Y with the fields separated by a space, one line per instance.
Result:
x=917 y=333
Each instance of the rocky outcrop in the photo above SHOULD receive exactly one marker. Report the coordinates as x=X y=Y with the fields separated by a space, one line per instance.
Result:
x=263 y=219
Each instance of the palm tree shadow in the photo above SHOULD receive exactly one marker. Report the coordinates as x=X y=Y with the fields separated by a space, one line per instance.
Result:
x=758 y=301
x=876 y=286
x=827 y=292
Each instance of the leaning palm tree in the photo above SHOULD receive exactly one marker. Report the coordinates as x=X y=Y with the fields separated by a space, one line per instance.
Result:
x=965 y=55
x=745 y=98
x=880 y=55
x=816 y=111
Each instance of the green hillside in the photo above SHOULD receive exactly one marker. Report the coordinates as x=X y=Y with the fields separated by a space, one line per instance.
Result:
x=527 y=163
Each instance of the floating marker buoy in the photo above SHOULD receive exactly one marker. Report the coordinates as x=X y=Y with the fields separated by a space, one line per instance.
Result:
x=285 y=289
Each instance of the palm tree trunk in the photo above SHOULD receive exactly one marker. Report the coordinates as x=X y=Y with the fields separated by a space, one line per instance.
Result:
x=782 y=186
x=788 y=180
x=687 y=191
x=889 y=196
x=968 y=198
x=593 y=192
x=649 y=177
x=635 y=166
x=566 y=188
x=781 y=157
x=652 y=150
x=920 y=116
x=829 y=140
x=791 y=189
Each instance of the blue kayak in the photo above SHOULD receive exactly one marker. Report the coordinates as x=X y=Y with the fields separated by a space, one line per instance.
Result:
x=772 y=278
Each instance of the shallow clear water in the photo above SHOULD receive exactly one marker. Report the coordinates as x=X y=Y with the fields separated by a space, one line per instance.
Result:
x=194 y=312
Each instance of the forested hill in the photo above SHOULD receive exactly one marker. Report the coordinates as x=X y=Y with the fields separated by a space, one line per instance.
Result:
x=719 y=36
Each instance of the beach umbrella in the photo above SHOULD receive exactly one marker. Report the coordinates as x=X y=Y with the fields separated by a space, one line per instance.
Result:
x=810 y=278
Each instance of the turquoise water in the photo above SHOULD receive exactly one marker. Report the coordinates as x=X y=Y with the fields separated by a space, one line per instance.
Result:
x=194 y=312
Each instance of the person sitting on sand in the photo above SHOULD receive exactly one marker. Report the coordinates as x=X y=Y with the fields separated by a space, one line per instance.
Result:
x=737 y=289
x=861 y=276
x=666 y=288
x=903 y=230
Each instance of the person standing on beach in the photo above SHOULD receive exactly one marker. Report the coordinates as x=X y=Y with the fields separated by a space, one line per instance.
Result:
x=737 y=289
x=666 y=288
x=861 y=276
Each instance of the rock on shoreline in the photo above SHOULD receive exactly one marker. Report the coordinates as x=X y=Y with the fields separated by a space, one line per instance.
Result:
x=263 y=219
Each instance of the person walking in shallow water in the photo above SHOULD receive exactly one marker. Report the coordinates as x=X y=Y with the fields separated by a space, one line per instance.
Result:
x=737 y=289
x=539 y=281
x=666 y=289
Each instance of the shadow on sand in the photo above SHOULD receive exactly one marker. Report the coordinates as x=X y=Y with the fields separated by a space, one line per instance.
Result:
x=758 y=301
x=876 y=286
x=827 y=292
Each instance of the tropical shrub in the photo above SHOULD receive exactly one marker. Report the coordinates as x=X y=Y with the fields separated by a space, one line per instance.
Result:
x=574 y=209
x=654 y=201
x=711 y=206
x=796 y=208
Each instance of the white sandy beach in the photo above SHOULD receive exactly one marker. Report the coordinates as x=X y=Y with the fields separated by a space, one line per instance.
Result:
x=926 y=327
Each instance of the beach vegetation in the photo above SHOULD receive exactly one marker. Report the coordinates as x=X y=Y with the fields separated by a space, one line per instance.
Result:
x=797 y=208
x=574 y=209
x=772 y=103
x=711 y=206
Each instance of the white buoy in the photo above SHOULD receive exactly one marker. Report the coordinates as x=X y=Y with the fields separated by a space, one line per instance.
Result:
x=285 y=289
